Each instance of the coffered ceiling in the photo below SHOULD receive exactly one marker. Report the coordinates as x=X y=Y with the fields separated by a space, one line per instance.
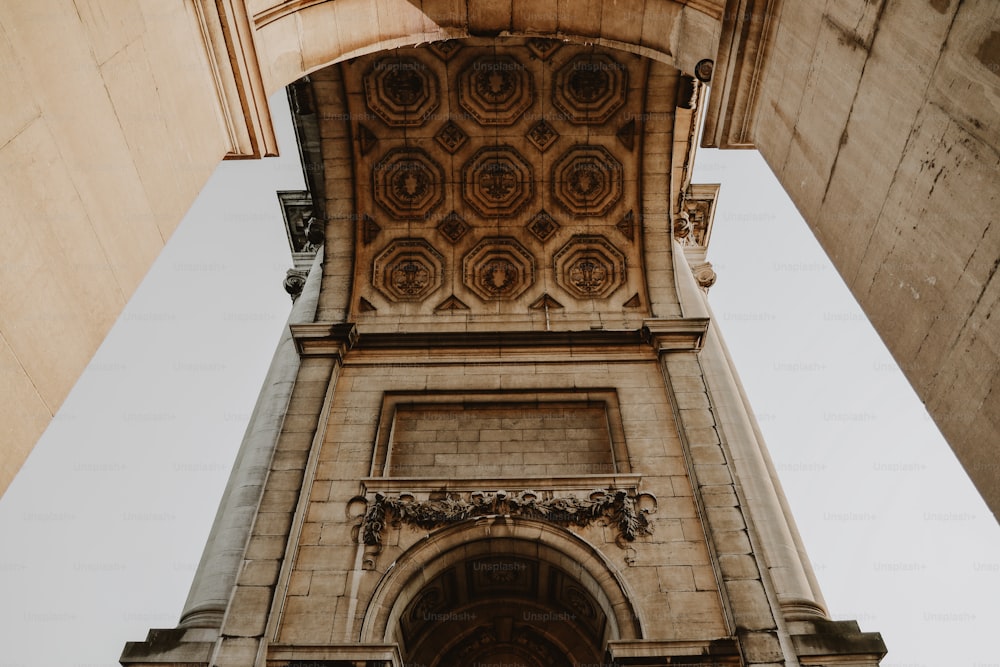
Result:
x=499 y=178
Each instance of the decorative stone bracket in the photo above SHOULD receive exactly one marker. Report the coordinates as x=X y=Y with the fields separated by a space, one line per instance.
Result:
x=614 y=505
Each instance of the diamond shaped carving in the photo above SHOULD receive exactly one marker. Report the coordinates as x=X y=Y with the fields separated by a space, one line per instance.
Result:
x=408 y=270
x=401 y=91
x=453 y=227
x=498 y=268
x=543 y=226
x=587 y=180
x=590 y=87
x=497 y=180
x=408 y=183
x=542 y=135
x=589 y=267
x=495 y=90
x=451 y=136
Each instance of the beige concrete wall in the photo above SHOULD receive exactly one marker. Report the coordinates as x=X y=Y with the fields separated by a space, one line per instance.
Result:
x=109 y=127
x=880 y=121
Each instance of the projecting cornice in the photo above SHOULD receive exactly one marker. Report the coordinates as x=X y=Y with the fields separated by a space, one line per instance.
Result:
x=325 y=339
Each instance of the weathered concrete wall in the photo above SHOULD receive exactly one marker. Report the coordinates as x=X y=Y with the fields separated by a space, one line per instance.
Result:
x=109 y=127
x=879 y=119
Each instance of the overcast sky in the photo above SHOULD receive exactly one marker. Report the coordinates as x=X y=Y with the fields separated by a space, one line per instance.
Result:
x=102 y=529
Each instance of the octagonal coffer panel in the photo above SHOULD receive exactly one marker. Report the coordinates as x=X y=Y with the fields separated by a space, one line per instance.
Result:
x=408 y=270
x=587 y=180
x=590 y=88
x=402 y=91
x=497 y=180
x=498 y=268
x=409 y=184
x=589 y=267
x=495 y=90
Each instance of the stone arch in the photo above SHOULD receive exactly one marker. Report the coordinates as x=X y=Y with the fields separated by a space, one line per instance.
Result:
x=293 y=39
x=506 y=538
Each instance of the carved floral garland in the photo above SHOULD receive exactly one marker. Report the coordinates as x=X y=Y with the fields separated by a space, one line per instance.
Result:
x=613 y=504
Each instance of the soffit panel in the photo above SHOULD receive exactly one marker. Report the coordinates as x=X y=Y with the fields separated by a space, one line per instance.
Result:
x=497 y=156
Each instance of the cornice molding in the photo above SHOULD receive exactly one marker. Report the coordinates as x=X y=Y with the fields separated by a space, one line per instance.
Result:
x=664 y=335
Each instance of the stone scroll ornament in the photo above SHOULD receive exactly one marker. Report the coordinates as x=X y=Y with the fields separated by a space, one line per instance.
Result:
x=612 y=504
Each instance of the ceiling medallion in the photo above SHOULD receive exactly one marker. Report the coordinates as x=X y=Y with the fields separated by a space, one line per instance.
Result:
x=403 y=92
x=590 y=88
x=408 y=183
x=408 y=270
x=498 y=268
x=589 y=267
x=587 y=180
x=497 y=180
x=495 y=90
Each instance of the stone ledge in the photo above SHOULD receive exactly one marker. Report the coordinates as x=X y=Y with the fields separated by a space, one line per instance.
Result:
x=173 y=646
x=638 y=652
x=330 y=339
x=384 y=654
x=818 y=640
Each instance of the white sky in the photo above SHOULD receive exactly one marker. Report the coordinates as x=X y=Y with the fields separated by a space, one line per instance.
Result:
x=102 y=529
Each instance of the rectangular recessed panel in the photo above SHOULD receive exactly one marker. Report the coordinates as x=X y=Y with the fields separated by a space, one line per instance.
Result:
x=500 y=440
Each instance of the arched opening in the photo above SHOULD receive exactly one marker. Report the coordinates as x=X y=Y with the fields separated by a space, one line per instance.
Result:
x=295 y=39
x=499 y=591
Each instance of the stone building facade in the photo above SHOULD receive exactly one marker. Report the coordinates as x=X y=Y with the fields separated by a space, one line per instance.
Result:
x=878 y=118
x=502 y=428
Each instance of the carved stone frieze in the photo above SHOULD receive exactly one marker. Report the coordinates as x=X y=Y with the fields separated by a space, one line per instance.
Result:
x=692 y=222
x=497 y=180
x=614 y=506
x=495 y=90
x=590 y=88
x=409 y=184
x=402 y=91
x=498 y=268
x=587 y=180
x=589 y=267
x=408 y=270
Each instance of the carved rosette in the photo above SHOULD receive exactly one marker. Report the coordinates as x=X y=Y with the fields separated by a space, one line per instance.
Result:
x=497 y=180
x=495 y=90
x=408 y=183
x=498 y=268
x=408 y=270
x=403 y=92
x=589 y=88
x=587 y=180
x=589 y=267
